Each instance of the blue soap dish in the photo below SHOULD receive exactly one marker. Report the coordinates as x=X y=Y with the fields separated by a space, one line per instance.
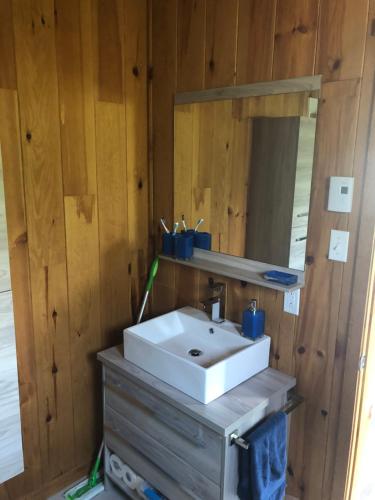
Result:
x=280 y=277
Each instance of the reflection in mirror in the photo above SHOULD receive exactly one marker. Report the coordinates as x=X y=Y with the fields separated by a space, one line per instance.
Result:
x=245 y=166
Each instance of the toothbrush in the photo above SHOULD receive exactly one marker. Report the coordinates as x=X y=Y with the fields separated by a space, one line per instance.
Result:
x=162 y=222
x=175 y=227
x=183 y=222
x=198 y=224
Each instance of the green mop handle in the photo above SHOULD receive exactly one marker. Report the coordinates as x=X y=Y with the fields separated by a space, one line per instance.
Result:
x=150 y=282
x=152 y=275
x=94 y=472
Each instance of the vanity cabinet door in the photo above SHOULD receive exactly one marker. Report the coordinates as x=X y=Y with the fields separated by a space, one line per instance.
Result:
x=180 y=446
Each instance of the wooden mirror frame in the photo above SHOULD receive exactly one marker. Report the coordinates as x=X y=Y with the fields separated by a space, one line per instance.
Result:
x=246 y=270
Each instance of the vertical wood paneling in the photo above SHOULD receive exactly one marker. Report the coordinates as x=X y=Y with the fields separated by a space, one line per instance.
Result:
x=344 y=387
x=137 y=144
x=190 y=44
x=8 y=67
x=113 y=227
x=84 y=320
x=342 y=33
x=163 y=290
x=69 y=54
x=89 y=83
x=316 y=354
x=321 y=36
x=184 y=161
x=237 y=200
x=63 y=91
x=186 y=286
x=256 y=29
x=295 y=38
x=69 y=66
x=220 y=177
x=35 y=57
x=221 y=42
x=280 y=326
x=110 y=19
x=18 y=251
x=164 y=36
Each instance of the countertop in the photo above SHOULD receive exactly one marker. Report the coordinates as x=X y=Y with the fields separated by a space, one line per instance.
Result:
x=225 y=413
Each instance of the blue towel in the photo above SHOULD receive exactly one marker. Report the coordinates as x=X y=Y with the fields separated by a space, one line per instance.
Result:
x=262 y=467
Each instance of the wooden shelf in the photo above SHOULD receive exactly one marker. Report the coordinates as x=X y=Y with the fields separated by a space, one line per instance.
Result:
x=246 y=270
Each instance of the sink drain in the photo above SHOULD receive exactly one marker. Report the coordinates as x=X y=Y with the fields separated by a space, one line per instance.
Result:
x=195 y=352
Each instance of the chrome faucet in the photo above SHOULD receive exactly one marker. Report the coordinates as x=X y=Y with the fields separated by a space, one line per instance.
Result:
x=217 y=302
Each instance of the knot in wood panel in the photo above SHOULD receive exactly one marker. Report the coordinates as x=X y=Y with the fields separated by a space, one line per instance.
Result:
x=309 y=260
x=21 y=239
x=301 y=28
x=334 y=64
x=54 y=317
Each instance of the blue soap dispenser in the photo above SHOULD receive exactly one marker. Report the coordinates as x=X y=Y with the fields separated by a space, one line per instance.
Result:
x=253 y=321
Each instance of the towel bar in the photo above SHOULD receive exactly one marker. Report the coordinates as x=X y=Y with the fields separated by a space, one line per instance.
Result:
x=293 y=402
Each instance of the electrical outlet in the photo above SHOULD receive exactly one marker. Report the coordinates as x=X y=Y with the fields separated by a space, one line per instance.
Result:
x=291 y=302
x=338 y=245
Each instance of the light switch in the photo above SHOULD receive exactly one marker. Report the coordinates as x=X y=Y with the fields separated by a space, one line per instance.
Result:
x=291 y=302
x=340 y=196
x=339 y=245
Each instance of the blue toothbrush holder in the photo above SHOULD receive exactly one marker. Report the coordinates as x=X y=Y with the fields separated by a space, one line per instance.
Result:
x=184 y=244
x=168 y=244
x=202 y=240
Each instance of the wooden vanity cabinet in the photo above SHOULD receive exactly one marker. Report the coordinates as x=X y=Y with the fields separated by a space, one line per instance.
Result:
x=179 y=445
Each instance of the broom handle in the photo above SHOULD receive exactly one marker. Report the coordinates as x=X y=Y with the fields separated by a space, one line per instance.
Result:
x=150 y=281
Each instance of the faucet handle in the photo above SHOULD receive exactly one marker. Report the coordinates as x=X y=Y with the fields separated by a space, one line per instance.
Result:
x=217 y=287
x=210 y=301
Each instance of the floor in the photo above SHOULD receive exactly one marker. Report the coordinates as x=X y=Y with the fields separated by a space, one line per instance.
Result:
x=110 y=495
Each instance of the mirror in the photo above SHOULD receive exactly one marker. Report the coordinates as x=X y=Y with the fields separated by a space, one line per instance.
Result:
x=245 y=166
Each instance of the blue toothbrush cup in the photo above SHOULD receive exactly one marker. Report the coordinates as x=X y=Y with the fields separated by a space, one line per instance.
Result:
x=202 y=240
x=168 y=244
x=184 y=246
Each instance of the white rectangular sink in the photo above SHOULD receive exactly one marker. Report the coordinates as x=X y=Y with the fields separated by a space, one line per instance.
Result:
x=195 y=355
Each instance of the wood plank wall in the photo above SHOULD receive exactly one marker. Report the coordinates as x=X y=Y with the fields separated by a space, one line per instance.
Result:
x=73 y=135
x=198 y=44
